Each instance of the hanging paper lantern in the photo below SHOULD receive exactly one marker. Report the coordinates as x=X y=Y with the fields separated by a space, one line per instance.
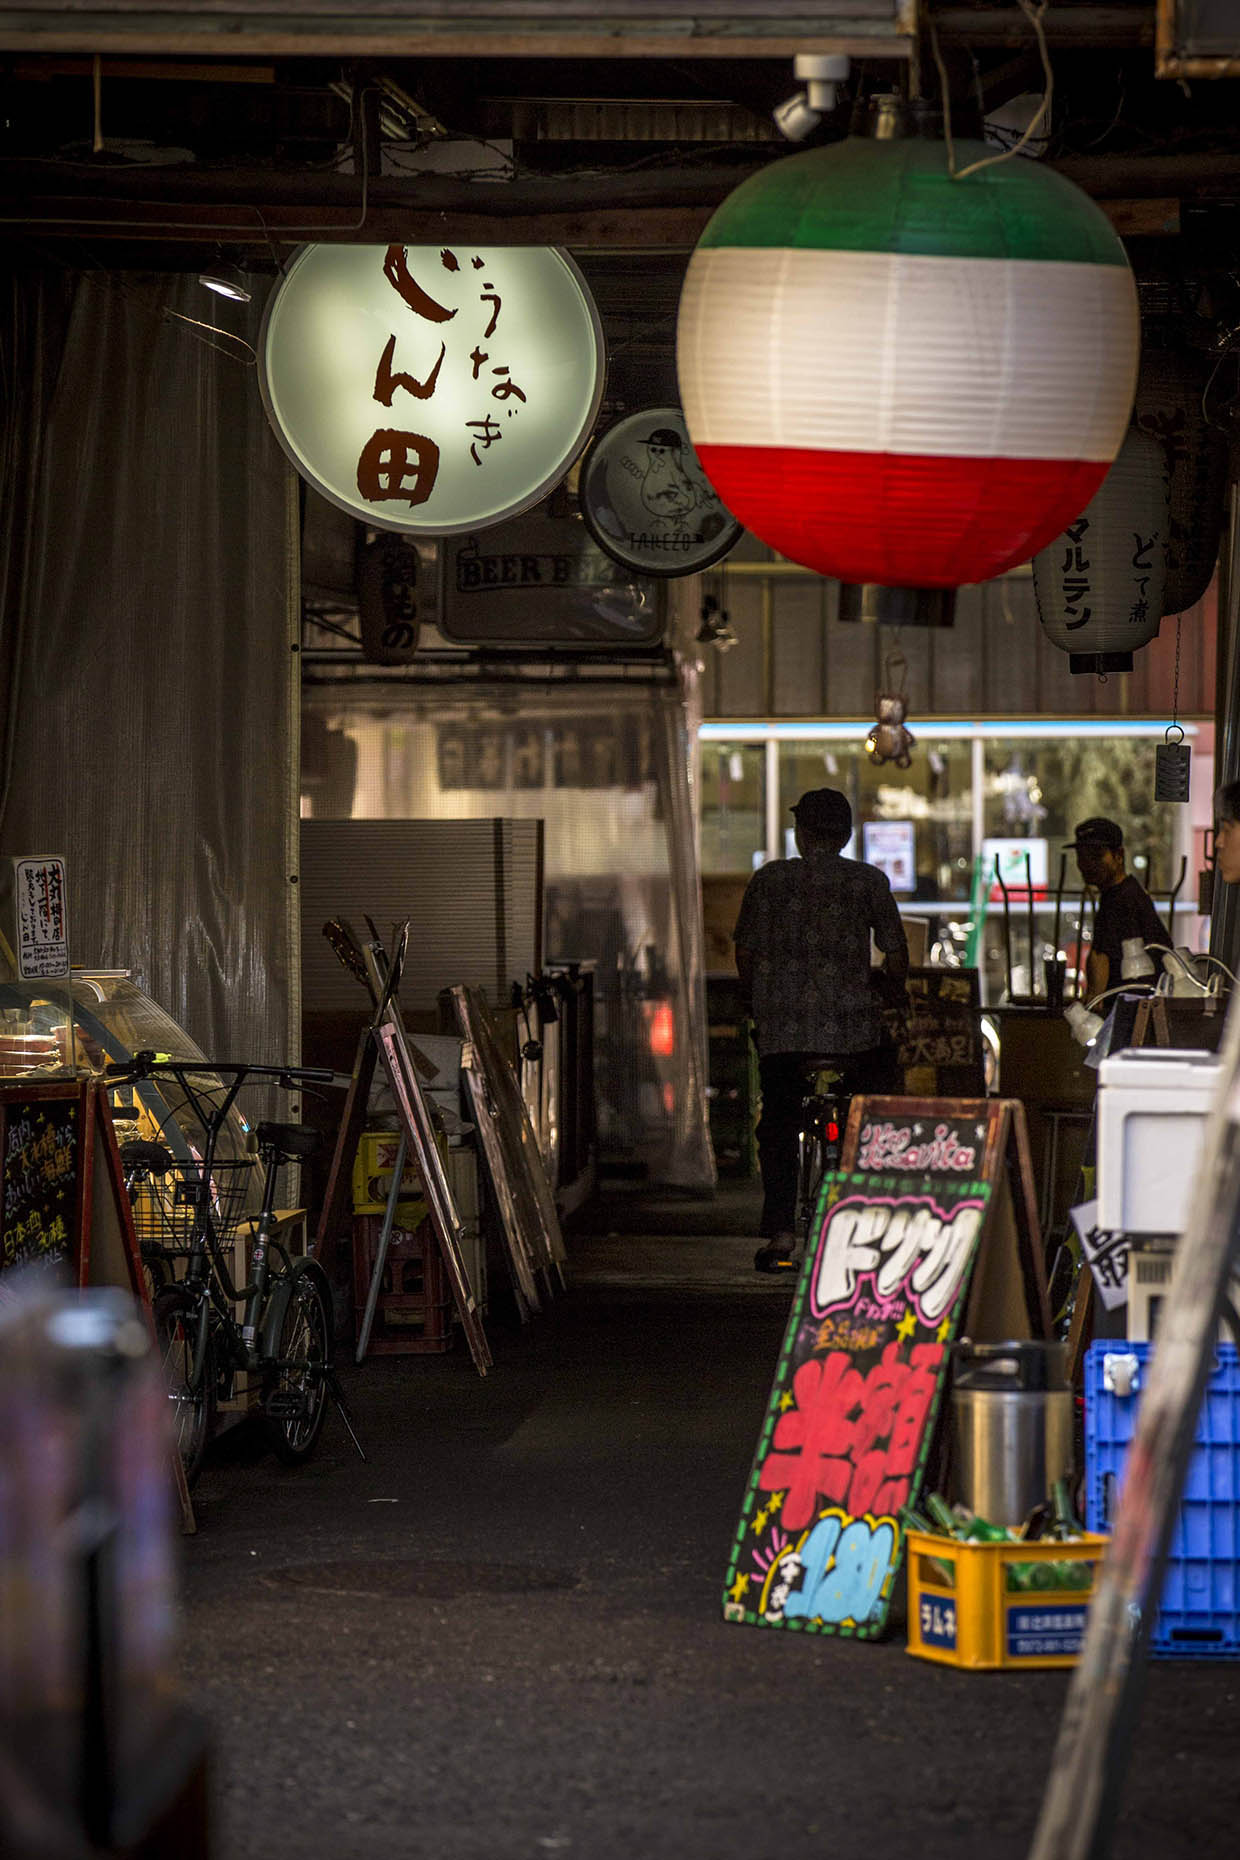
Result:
x=1099 y=585
x=1171 y=387
x=893 y=376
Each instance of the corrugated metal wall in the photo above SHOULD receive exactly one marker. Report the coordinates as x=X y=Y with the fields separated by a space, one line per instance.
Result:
x=795 y=658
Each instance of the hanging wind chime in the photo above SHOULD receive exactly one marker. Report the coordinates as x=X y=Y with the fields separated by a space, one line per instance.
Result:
x=895 y=374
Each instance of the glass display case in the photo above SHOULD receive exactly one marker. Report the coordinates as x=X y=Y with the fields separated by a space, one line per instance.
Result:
x=112 y=1019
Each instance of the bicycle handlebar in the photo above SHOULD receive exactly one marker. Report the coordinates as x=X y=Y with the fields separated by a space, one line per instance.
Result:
x=148 y=1064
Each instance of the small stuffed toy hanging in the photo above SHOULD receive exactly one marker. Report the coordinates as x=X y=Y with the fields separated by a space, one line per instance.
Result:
x=889 y=741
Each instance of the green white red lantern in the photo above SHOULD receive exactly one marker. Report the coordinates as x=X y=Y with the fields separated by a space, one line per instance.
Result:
x=894 y=376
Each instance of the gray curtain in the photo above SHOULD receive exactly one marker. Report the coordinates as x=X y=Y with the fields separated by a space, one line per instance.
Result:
x=149 y=617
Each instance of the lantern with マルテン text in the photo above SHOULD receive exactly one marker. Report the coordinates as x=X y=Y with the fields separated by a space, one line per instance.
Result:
x=1099 y=585
x=892 y=375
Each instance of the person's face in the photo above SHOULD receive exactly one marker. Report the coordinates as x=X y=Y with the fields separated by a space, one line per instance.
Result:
x=1227 y=850
x=1096 y=864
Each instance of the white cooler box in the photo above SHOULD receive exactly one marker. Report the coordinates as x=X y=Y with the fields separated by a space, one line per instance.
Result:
x=1152 y=1108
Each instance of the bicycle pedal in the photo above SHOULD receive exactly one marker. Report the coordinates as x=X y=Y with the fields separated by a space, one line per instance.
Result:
x=775 y=1258
x=285 y=1406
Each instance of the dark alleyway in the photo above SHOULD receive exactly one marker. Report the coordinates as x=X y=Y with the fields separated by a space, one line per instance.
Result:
x=502 y=1637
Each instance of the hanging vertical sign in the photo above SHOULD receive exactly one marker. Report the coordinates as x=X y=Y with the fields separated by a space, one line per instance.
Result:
x=431 y=389
x=41 y=917
x=856 y=1391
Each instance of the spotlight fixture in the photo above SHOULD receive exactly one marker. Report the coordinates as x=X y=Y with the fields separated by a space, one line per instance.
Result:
x=1085 y=1025
x=821 y=73
x=226 y=281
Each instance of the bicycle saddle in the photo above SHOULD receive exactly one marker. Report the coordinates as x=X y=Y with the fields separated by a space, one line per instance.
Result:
x=142 y=1155
x=289 y=1139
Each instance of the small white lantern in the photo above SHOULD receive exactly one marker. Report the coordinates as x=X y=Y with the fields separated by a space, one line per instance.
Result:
x=1099 y=585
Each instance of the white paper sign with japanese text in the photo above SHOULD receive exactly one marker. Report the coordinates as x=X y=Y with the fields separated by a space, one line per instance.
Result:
x=41 y=917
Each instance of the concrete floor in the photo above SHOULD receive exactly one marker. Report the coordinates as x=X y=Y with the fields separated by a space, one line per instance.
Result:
x=502 y=1637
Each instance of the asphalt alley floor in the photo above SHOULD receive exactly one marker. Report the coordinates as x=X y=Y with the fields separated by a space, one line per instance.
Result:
x=501 y=1638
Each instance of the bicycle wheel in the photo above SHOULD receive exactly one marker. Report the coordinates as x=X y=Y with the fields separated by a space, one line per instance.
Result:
x=295 y=1387
x=155 y=1270
x=814 y=1164
x=176 y=1316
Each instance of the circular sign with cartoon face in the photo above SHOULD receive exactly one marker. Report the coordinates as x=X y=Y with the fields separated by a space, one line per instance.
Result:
x=647 y=501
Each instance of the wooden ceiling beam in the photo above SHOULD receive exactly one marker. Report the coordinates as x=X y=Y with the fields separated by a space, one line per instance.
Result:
x=586 y=228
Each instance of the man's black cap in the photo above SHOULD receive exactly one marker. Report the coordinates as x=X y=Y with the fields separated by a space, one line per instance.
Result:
x=824 y=811
x=1099 y=831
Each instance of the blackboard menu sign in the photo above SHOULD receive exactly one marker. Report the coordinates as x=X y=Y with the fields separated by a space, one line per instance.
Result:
x=853 y=1404
x=41 y=1137
x=941 y=1052
x=924 y=1139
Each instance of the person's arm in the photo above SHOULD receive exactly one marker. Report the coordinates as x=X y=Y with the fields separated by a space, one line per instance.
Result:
x=746 y=936
x=744 y=968
x=891 y=940
x=1097 y=974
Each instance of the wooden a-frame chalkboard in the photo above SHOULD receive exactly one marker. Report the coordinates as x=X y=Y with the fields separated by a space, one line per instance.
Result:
x=63 y=1202
x=930 y=1226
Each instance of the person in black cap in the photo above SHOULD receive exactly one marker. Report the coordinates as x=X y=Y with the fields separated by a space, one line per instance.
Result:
x=1124 y=906
x=803 y=956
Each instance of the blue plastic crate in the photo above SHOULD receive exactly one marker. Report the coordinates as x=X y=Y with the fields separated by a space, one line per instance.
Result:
x=1199 y=1613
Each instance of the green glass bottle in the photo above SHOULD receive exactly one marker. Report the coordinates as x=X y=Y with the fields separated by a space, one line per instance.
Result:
x=1064 y=1522
x=946 y=1523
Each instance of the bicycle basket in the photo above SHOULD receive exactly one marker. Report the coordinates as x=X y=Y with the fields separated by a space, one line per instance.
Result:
x=166 y=1207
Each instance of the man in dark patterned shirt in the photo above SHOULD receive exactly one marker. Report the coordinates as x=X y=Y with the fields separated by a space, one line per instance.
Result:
x=803 y=956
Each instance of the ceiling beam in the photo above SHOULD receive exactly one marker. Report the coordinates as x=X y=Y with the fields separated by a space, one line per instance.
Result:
x=427 y=216
x=1085 y=27
x=458 y=29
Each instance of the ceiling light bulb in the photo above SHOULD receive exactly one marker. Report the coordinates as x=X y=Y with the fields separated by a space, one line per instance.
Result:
x=226 y=281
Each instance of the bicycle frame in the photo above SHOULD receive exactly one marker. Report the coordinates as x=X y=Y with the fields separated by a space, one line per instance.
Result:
x=208 y=1274
x=824 y=1114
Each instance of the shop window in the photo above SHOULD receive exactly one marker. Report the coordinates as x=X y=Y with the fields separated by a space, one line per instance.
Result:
x=733 y=788
x=933 y=797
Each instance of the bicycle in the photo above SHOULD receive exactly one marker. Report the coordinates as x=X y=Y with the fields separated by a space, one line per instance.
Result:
x=145 y=1166
x=187 y=1215
x=820 y=1144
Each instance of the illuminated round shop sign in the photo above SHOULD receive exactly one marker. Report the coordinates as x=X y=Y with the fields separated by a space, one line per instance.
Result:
x=431 y=389
x=647 y=501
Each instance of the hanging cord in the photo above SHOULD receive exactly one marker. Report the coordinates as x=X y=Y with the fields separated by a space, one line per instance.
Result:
x=1175 y=683
x=1033 y=11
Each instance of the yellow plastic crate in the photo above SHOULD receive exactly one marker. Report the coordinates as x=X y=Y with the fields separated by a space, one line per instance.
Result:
x=962 y=1612
x=373 y=1168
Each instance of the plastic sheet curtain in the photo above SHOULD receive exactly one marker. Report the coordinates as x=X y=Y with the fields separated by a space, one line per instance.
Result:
x=149 y=609
x=607 y=766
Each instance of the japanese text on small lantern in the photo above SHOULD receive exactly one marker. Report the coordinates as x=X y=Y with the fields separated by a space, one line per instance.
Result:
x=42 y=924
x=1139 y=612
x=398 y=463
x=1074 y=576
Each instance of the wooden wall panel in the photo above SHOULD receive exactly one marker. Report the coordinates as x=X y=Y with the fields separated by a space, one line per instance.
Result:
x=798 y=647
x=995 y=661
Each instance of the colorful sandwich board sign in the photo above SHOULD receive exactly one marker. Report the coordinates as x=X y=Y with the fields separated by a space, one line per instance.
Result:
x=883 y=1291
